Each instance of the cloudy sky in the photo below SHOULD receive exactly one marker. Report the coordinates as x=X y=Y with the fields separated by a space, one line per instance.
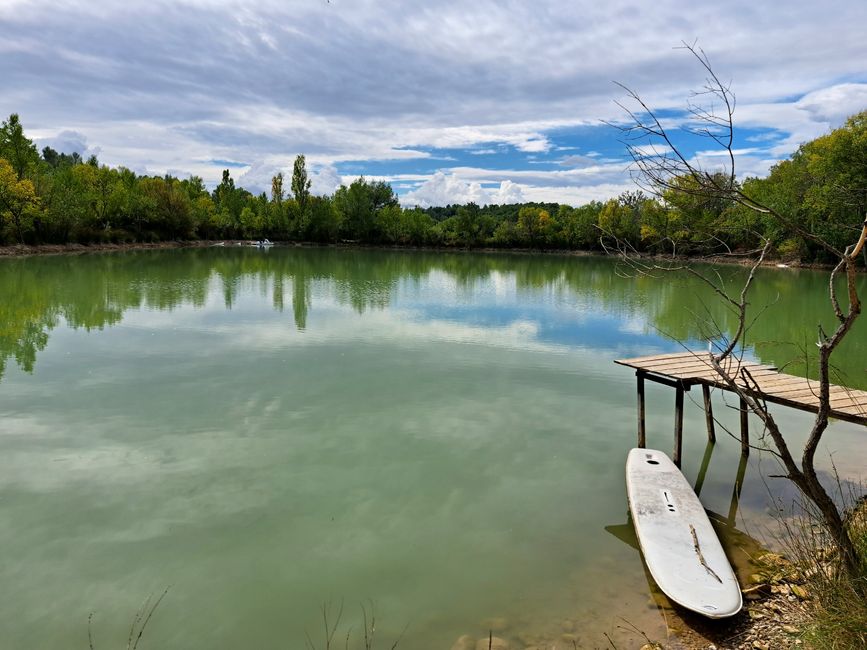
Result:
x=449 y=101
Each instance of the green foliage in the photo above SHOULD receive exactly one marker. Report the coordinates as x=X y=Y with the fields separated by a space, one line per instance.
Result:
x=822 y=188
x=277 y=193
x=300 y=182
x=16 y=148
x=620 y=220
x=62 y=198
x=18 y=201
x=323 y=220
x=360 y=206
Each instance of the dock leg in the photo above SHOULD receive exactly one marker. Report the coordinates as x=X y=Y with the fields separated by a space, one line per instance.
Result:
x=736 y=492
x=702 y=472
x=708 y=413
x=678 y=424
x=642 y=437
x=745 y=428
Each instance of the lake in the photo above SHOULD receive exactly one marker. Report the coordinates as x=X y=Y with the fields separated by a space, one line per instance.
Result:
x=438 y=437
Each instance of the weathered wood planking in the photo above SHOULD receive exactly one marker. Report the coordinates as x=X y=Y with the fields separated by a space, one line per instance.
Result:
x=689 y=368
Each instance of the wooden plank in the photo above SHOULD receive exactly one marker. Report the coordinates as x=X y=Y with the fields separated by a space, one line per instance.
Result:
x=762 y=371
x=850 y=406
x=714 y=376
x=683 y=357
x=835 y=392
x=691 y=369
x=812 y=401
x=710 y=376
x=781 y=381
x=794 y=392
x=678 y=366
x=848 y=400
x=656 y=357
x=731 y=370
x=638 y=361
x=783 y=377
x=860 y=410
x=654 y=363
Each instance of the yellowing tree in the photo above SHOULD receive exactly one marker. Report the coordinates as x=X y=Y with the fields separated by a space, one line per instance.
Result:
x=18 y=200
x=534 y=225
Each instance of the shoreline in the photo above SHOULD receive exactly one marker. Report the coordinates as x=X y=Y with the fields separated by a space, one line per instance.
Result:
x=32 y=250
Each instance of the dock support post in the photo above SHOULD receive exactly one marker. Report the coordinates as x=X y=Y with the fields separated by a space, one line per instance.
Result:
x=678 y=424
x=736 y=492
x=642 y=437
x=745 y=428
x=702 y=472
x=708 y=413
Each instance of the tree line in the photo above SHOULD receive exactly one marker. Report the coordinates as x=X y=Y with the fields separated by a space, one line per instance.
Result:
x=56 y=197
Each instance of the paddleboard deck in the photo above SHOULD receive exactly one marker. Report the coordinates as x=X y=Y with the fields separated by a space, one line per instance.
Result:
x=680 y=547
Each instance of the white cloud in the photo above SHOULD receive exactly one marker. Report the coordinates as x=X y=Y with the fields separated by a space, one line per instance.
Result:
x=325 y=180
x=576 y=195
x=834 y=104
x=507 y=193
x=161 y=86
x=442 y=189
x=445 y=189
x=534 y=145
x=66 y=141
x=257 y=177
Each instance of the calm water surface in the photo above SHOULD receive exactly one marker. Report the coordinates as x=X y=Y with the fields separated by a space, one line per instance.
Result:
x=438 y=436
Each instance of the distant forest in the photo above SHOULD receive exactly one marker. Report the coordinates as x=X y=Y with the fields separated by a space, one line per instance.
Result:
x=55 y=197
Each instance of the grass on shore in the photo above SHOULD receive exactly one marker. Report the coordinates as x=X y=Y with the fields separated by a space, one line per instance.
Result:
x=838 y=600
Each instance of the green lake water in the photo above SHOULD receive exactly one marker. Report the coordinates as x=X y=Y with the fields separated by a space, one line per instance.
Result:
x=439 y=437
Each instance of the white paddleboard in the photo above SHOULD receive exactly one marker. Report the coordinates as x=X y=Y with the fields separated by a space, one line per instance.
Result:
x=680 y=547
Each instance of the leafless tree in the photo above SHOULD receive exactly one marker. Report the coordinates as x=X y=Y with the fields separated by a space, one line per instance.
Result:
x=659 y=165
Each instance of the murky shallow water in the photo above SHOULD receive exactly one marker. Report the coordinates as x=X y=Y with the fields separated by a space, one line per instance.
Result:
x=440 y=437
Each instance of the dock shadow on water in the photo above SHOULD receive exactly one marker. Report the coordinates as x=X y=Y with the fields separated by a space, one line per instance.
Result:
x=443 y=434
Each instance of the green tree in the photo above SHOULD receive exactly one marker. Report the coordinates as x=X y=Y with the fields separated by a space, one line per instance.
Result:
x=357 y=207
x=228 y=199
x=534 y=226
x=300 y=182
x=390 y=224
x=323 y=223
x=416 y=226
x=277 y=193
x=169 y=215
x=16 y=148
x=695 y=220
x=620 y=219
x=580 y=225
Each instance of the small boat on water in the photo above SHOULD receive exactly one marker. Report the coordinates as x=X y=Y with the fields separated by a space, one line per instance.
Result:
x=264 y=243
x=680 y=547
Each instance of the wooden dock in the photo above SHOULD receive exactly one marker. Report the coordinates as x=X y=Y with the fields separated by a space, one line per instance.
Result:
x=684 y=370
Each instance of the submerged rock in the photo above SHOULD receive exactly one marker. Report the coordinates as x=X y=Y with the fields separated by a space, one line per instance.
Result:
x=494 y=643
x=496 y=624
